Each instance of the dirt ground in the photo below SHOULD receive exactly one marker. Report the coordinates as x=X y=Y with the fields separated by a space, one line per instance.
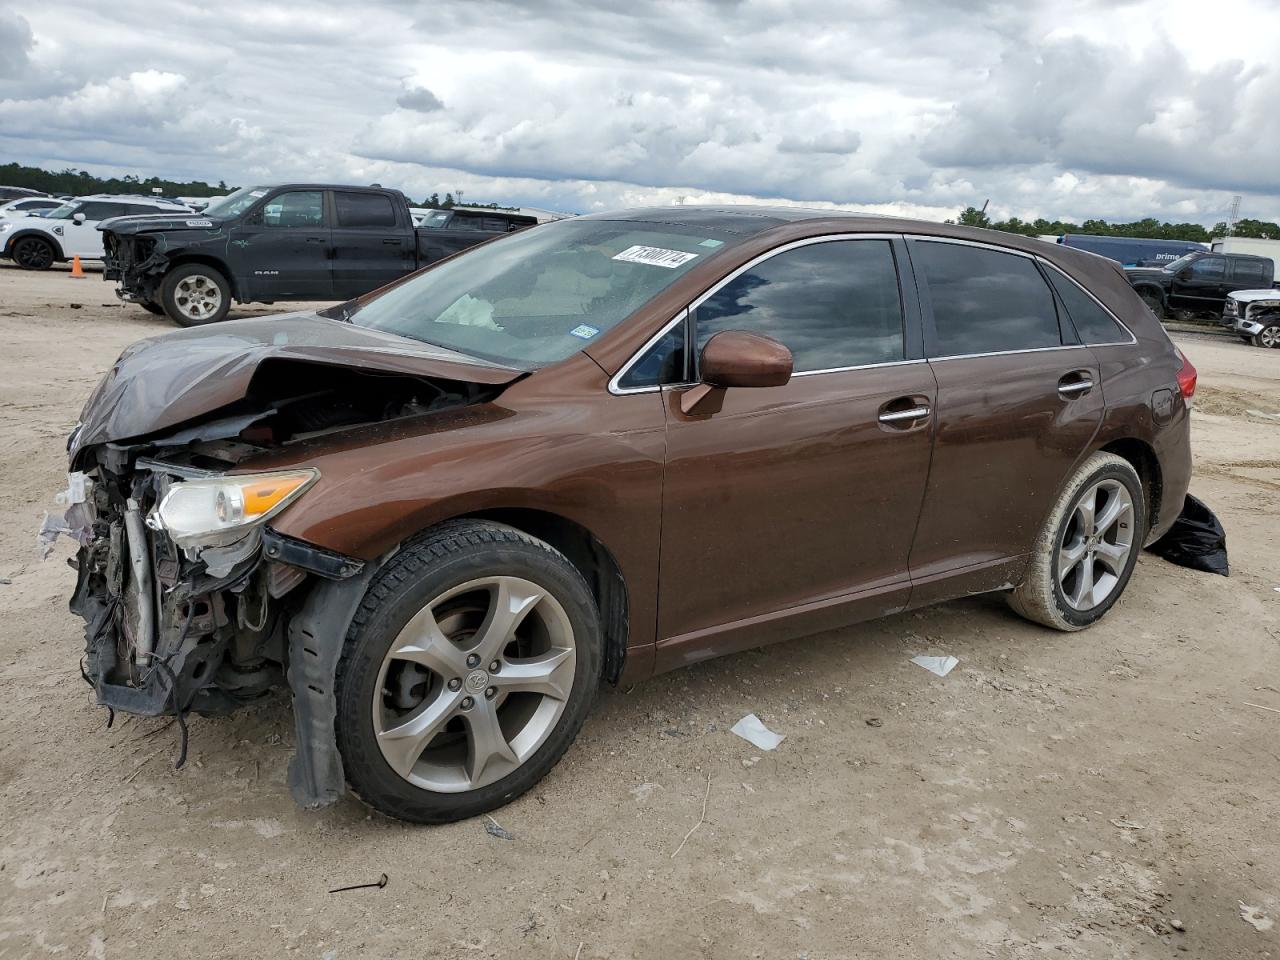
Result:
x=1104 y=794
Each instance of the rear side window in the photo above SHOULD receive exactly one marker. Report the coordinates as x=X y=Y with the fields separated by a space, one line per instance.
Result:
x=101 y=210
x=1092 y=322
x=364 y=210
x=833 y=304
x=985 y=301
x=1251 y=272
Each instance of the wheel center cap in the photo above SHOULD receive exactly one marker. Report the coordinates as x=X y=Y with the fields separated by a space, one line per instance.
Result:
x=476 y=681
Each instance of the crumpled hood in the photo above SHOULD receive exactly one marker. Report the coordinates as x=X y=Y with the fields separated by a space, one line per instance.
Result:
x=145 y=222
x=1154 y=272
x=168 y=380
x=1252 y=296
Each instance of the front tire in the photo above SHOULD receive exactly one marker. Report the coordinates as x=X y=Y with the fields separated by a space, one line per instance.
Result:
x=467 y=672
x=1085 y=555
x=32 y=253
x=1153 y=301
x=1268 y=336
x=194 y=294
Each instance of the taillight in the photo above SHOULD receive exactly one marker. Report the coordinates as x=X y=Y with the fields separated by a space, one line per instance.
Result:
x=1186 y=377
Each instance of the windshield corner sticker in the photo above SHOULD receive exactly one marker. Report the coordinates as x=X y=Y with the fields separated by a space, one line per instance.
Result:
x=584 y=331
x=655 y=256
x=711 y=243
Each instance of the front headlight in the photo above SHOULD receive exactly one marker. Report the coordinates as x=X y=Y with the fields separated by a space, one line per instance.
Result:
x=218 y=511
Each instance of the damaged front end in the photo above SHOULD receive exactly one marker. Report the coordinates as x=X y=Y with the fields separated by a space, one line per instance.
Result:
x=191 y=601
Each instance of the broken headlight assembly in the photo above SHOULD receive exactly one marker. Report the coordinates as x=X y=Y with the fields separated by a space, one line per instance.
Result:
x=219 y=519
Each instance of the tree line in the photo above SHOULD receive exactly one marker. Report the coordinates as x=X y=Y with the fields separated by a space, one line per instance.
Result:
x=79 y=183
x=1147 y=228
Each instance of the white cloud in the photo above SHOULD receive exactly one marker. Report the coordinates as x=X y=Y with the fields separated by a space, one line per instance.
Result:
x=1077 y=109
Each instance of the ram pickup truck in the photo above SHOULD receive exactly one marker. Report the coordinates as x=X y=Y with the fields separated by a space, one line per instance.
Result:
x=1198 y=283
x=293 y=241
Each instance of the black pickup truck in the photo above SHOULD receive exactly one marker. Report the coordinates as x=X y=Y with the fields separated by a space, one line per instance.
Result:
x=1199 y=282
x=293 y=241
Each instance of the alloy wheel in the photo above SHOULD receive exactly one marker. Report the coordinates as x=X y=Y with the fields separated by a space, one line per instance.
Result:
x=1270 y=336
x=474 y=684
x=34 y=254
x=1095 y=546
x=197 y=297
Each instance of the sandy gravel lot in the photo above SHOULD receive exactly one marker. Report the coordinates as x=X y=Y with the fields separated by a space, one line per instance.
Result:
x=1106 y=794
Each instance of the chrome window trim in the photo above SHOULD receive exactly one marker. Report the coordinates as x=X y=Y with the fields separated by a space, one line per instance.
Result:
x=1105 y=309
x=617 y=390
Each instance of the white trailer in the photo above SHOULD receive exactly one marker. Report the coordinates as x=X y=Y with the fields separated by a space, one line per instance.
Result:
x=1256 y=248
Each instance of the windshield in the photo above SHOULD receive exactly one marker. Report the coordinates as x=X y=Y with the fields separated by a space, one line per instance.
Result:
x=540 y=295
x=234 y=204
x=63 y=212
x=436 y=220
x=1183 y=261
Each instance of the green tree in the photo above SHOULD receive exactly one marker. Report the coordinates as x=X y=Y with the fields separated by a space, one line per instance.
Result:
x=973 y=217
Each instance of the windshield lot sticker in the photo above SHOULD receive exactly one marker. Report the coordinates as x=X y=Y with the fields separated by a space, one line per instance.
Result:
x=584 y=331
x=655 y=256
x=712 y=243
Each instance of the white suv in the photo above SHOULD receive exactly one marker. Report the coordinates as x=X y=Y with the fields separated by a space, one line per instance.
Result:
x=34 y=243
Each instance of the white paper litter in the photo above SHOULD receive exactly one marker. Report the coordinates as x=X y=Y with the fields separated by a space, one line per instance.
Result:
x=1255 y=917
x=750 y=728
x=939 y=665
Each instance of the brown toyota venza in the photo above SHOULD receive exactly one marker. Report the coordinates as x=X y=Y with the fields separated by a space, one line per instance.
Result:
x=442 y=514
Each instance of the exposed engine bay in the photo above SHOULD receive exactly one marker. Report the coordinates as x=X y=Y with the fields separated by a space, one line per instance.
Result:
x=188 y=595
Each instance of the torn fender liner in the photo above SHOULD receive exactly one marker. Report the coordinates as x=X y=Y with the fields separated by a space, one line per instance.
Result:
x=316 y=635
x=1196 y=540
x=165 y=381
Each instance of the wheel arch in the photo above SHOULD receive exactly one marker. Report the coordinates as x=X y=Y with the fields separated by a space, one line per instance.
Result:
x=1140 y=288
x=39 y=235
x=593 y=560
x=1142 y=457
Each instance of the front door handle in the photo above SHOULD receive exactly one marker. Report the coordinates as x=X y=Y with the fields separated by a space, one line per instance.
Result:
x=315 y=239
x=391 y=241
x=1077 y=383
x=904 y=413
x=904 y=416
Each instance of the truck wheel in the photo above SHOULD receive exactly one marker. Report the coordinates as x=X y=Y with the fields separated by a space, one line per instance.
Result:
x=1153 y=302
x=194 y=294
x=32 y=253
x=467 y=671
x=1268 y=336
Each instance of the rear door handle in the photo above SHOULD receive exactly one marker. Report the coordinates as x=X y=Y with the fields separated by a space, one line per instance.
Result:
x=315 y=239
x=391 y=241
x=1075 y=384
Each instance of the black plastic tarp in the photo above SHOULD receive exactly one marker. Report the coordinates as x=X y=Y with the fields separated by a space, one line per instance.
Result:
x=1195 y=540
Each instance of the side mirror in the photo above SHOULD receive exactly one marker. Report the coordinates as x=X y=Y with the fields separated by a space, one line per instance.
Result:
x=78 y=218
x=736 y=358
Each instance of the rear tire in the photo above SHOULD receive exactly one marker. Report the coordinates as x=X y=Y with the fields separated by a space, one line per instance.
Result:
x=467 y=672
x=194 y=294
x=1268 y=336
x=1085 y=555
x=32 y=253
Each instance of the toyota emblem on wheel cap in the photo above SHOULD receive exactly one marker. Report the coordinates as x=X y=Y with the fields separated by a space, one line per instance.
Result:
x=476 y=681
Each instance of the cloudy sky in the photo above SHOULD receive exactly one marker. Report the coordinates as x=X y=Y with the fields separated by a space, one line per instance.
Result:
x=1068 y=108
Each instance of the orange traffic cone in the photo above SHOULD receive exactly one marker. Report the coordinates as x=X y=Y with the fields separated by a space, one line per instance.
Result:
x=77 y=272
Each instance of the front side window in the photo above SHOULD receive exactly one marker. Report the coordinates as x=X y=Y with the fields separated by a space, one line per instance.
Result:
x=434 y=221
x=985 y=301
x=101 y=210
x=834 y=304
x=364 y=210
x=1209 y=268
x=298 y=208
x=537 y=296
x=662 y=363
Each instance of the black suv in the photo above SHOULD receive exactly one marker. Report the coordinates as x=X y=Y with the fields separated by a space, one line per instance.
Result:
x=1198 y=283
